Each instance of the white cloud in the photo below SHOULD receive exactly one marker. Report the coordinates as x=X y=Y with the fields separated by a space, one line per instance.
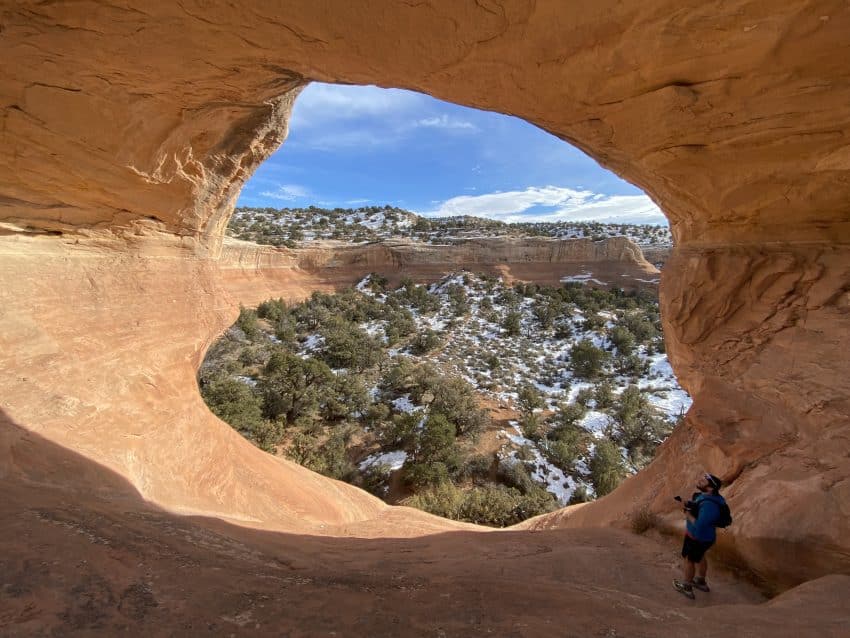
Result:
x=359 y=138
x=288 y=192
x=329 y=117
x=445 y=122
x=634 y=209
x=564 y=204
x=505 y=204
x=320 y=103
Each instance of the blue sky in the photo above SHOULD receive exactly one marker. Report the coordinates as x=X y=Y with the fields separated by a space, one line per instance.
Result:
x=353 y=146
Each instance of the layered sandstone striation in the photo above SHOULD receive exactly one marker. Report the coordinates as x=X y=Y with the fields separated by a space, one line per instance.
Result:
x=332 y=265
x=128 y=131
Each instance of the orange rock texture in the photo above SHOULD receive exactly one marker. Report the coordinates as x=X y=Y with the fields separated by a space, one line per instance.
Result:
x=333 y=265
x=128 y=130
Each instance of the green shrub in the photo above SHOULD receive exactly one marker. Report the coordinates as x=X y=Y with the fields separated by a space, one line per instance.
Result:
x=441 y=500
x=641 y=429
x=494 y=505
x=561 y=454
x=425 y=342
x=514 y=474
x=267 y=434
x=606 y=467
x=603 y=395
x=584 y=397
x=400 y=323
x=586 y=360
x=455 y=399
x=491 y=505
x=424 y=474
x=329 y=458
x=375 y=414
x=435 y=454
x=247 y=323
x=476 y=468
x=273 y=309
x=398 y=432
x=293 y=387
x=640 y=326
x=545 y=311
x=457 y=299
x=346 y=345
x=534 y=502
x=593 y=321
x=234 y=403
x=398 y=378
x=579 y=495
x=512 y=323
x=563 y=330
x=531 y=426
x=569 y=414
x=623 y=340
x=378 y=283
x=529 y=398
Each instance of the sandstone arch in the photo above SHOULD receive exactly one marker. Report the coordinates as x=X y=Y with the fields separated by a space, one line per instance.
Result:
x=128 y=132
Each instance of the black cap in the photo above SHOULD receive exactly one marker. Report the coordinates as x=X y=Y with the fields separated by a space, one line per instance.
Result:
x=715 y=482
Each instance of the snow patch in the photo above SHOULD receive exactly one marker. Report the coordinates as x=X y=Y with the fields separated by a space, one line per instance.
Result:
x=393 y=460
x=404 y=404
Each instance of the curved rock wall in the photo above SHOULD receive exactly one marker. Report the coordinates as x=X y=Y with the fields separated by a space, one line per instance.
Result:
x=130 y=131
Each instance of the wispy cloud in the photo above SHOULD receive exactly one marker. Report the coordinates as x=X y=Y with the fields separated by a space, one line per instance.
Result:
x=446 y=123
x=553 y=203
x=288 y=192
x=320 y=104
x=329 y=117
x=362 y=139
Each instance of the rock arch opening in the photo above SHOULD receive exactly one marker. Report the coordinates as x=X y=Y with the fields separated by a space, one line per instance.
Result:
x=133 y=142
x=551 y=232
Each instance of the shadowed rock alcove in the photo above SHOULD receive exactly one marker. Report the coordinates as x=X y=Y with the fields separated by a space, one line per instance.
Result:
x=128 y=133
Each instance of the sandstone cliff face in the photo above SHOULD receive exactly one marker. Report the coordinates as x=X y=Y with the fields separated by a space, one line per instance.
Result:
x=130 y=131
x=333 y=265
x=657 y=255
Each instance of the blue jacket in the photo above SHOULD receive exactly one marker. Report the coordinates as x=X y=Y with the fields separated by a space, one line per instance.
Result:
x=703 y=528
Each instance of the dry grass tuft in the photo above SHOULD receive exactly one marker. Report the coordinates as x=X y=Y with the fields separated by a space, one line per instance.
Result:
x=643 y=519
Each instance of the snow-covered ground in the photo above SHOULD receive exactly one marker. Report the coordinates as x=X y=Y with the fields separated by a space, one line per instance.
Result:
x=404 y=404
x=274 y=226
x=392 y=460
x=583 y=278
x=266 y=225
x=477 y=347
x=552 y=478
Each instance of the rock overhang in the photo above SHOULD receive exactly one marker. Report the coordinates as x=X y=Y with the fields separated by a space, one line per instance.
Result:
x=131 y=132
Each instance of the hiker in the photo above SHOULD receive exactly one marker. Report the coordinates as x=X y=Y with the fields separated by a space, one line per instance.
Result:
x=703 y=513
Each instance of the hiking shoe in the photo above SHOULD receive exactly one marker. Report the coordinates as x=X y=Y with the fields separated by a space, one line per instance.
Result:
x=684 y=588
x=700 y=584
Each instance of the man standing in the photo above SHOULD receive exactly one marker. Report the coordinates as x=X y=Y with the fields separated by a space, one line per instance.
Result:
x=702 y=513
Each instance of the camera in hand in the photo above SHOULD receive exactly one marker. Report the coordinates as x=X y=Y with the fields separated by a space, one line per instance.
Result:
x=691 y=506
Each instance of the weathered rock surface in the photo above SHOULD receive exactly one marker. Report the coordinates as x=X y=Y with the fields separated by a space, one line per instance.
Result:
x=332 y=265
x=657 y=255
x=130 y=129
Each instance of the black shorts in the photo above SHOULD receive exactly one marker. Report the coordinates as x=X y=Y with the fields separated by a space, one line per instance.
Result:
x=694 y=550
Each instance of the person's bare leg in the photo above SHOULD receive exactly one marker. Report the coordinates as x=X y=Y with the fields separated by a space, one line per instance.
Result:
x=688 y=569
x=702 y=568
